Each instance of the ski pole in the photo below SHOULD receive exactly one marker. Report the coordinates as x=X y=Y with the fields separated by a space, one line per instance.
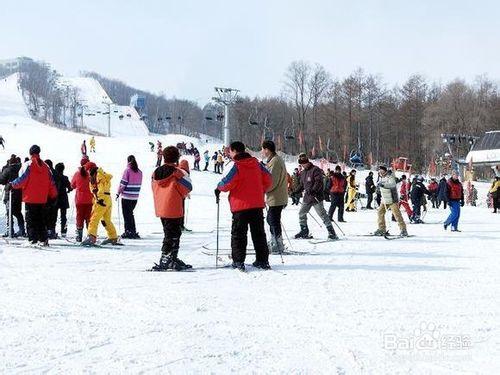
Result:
x=186 y=211
x=287 y=238
x=338 y=226
x=217 y=241
x=317 y=222
x=10 y=215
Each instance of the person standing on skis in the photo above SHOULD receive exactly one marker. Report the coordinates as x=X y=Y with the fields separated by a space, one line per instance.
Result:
x=83 y=197
x=129 y=189
x=38 y=187
x=389 y=201
x=417 y=195
x=337 y=192
x=404 y=197
x=100 y=183
x=13 y=208
x=62 y=204
x=352 y=191
x=159 y=154
x=311 y=182
x=83 y=148
x=92 y=144
x=276 y=196
x=206 y=156
x=455 y=198
x=442 y=192
x=170 y=185
x=247 y=182
x=370 y=189
x=433 y=189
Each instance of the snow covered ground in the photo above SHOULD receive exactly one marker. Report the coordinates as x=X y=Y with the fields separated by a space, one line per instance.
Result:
x=425 y=304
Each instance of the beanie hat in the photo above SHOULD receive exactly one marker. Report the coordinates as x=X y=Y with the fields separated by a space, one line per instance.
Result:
x=89 y=165
x=171 y=154
x=35 y=150
x=85 y=160
x=382 y=167
x=303 y=159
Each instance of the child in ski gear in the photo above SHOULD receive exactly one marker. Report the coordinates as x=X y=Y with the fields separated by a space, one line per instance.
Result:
x=351 y=192
x=370 y=189
x=389 y=201
x=404 y=196
x=455 y=198
x=170 y=185
x=337 y=191
x=129 y=189
x=38 y=187
x=83 y=197
x=100 y=183
x=247 y=182
x=92 y=144
x=9 y=173
x=495 y=194
x=311 y=182
x=63 y=188
x=276 y=196
x=433 y=189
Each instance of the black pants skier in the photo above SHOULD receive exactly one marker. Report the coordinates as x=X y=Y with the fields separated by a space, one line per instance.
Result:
x=369 y=200
x=206 y=166
x=36 y=222
x=295 y=198
x=274 y=220
x=241 y=221
x=337 y=201
x=51 y=220
x=196 y=165
x=16 y=213
x=171 y=236
x=128 y=206
x=63 y=220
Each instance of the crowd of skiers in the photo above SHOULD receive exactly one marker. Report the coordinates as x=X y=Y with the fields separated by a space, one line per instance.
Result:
x=252 y=186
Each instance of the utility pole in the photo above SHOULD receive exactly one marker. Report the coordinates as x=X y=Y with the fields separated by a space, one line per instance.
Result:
x=227 y=97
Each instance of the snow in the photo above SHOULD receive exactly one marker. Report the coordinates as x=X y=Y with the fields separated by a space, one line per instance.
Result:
x=338 y=310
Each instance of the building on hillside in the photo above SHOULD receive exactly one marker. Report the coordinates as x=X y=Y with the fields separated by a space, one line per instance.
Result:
x=486 y=151
x=9 y=66
x=139 y=103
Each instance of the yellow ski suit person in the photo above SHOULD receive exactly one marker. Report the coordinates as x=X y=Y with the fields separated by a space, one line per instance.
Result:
x=100 y=185
x=351 y=191
x=92 y=144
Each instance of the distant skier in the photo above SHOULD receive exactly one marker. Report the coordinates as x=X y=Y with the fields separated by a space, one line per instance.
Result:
x=352 y=190
x=197 y=159
x=247 y=182
x=170 y=186
x=495 y=194
x=206 y=156
x=38 y=186
x=295 y=193
x=404 y=196
x=216 y=164
x=92 y=144
x=129 y=189
x=369 y=189
x=337 y=191
x=455 y=197
x=83 y=197
x=2 y=141
x=389 y=201
x=473 y=201
x=442 y=192
x=151 y=146
x=9 y=173
x=159 y=153
x=100 y=182
x=418 y=191
x=63 y=188
x=83 y=148
x=433 y=189
x=311 y=182
x=276 y=196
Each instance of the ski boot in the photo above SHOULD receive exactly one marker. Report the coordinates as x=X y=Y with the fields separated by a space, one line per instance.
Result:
x=127 y=235
x=304 y=232
x=179 y=263
x=79 y=235
x=404 y=233
x=238 y=266
x=272 y=245
x=263 y=265
x=111 y=241
x=89 y=241
x=331 y=233
x=166 y=263
x=380 y=233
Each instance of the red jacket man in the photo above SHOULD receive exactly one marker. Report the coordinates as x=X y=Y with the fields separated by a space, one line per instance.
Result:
x=247 y=182
x=38 y=186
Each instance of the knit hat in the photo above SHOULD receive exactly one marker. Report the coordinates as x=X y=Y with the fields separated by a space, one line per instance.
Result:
x=35 y=150
x=303 y=159
x=85 y=160
x=171 y=154
x=382 y=167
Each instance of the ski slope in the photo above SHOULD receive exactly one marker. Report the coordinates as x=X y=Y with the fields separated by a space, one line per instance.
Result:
x=357 y=306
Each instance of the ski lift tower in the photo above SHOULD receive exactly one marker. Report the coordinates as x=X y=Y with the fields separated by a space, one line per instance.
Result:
x=227 y=97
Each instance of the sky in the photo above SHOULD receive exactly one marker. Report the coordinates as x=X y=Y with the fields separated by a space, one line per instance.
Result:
x=184 y=48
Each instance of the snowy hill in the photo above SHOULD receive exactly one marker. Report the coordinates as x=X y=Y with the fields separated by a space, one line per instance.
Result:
x=355 y=306
x=124 y=120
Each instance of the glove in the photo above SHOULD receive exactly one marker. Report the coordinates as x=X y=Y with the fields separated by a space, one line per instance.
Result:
x=461 y=203
x=117 y=196
x=8 y=186
x=101 y=202
x=95 y=190
x=217 y=194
